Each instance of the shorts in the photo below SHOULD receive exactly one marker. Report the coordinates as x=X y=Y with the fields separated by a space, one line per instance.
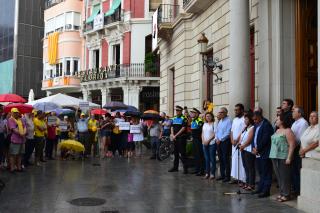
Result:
x=16 y=149
x=131 y=146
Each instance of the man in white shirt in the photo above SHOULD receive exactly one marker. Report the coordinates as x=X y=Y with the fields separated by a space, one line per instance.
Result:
x=238 y=126
x=298 y=128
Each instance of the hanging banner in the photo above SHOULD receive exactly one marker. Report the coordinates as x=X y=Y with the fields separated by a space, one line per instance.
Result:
x=155 y=30
x=98 y=22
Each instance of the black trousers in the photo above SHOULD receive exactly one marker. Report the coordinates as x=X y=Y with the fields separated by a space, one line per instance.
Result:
x=49 y=147
x=198 y=154
x=29 y=147
x=179 y=152
x=248 y=161
x=224 y=154
x=265 y=172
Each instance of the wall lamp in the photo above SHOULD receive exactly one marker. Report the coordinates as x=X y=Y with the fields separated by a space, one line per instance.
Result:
x=210 y=63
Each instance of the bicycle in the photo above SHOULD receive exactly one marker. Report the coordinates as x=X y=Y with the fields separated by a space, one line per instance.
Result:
x=166 y=148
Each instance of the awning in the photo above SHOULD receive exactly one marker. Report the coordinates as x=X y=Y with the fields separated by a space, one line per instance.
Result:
x=94 y=13
x=115 y=5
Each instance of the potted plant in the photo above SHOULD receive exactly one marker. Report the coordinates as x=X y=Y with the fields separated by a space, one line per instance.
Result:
x=149 y=64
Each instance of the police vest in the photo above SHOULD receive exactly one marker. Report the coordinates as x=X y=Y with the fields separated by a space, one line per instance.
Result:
x=195 y=124
x=178 y=120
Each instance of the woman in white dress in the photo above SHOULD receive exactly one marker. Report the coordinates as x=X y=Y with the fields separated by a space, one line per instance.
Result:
x=310 y=138
x=248 y=158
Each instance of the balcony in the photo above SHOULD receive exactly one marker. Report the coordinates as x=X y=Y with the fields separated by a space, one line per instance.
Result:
x=71 y=83
x=51 y=3
x=138 y=71
x=196 y=6
x=167 y=14
x=108 y=21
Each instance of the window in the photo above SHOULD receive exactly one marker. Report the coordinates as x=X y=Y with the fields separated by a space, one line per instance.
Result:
x=116 y=54
x=59 y=23
x=68 y=71
x=69 y=21
x=76 y=21
x=75 y=67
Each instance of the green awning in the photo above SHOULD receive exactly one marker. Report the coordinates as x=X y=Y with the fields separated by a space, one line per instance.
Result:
x=94 y=13
x=115 y=5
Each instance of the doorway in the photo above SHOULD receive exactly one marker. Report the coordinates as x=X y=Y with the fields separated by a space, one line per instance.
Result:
x=306 y=54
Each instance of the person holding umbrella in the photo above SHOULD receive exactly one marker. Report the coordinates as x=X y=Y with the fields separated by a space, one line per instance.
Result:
x=196 y=132
x=18 y=132
x=178 y=136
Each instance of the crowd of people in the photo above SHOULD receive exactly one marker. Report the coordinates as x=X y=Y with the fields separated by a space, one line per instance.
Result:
x=246 y=145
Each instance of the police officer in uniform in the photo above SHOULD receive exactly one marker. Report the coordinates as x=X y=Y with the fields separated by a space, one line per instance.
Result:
x=178 y=136
x=196 y=131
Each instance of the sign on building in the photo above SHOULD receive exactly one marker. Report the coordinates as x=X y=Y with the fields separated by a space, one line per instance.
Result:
x=98 y=22
x=155 y=30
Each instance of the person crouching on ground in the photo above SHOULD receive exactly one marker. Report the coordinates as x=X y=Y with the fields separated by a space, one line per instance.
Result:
x=18 y=132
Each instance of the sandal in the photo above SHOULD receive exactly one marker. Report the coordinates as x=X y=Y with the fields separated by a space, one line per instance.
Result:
x=284 y=199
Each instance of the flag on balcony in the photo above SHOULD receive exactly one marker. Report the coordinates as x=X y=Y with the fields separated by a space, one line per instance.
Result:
x=53 y=39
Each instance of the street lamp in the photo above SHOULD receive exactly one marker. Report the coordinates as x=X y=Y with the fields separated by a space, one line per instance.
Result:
x=210 y=63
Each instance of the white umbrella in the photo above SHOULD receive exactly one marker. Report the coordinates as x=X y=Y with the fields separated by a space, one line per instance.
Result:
x=63 y=101
x=31 y=95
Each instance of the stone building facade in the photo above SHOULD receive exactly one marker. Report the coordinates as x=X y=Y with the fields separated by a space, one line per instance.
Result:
x=268 y=52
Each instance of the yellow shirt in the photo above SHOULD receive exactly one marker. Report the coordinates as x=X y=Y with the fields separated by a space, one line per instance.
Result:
x=39 y=123
x=92 y=125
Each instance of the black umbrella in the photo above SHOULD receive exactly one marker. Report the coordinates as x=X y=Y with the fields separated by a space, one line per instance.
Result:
x=132 y=113
x=151 y=116
x=114 y=105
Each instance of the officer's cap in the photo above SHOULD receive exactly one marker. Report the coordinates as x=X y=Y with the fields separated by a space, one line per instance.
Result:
x=179 y=108
x=195 y=110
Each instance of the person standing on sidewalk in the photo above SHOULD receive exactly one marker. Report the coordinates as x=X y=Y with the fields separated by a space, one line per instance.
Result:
x=93 y=128
x=40 y=129
x=224 y=144
x=238 y=125
x=30 y=143
x=298 y=128
x=155 y=132
x=178 y=136
x=196 y=132
x=83 y=134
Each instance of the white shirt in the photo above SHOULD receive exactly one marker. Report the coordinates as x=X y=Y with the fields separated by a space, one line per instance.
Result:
x=244 y=137
x=309 y=136
x=208 y=132
x=298 y=128
x=237 y=127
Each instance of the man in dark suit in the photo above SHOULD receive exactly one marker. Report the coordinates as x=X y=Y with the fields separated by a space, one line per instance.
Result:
x=261 y=144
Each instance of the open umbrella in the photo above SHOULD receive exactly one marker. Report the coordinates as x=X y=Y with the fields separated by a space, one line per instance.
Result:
x=151 y=112
x=114 y=105
x=72 y=145
x=131 y=108
x=132 y=113
x=12 y=98
x=68 y=112
x=98 y=112
x=151 y=115
x=46 y=106
x=23 y=108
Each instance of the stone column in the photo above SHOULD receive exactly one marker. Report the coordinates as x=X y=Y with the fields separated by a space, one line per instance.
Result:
x=239 y=74
x=106 y=96
x=86 y=95
x=131 y=95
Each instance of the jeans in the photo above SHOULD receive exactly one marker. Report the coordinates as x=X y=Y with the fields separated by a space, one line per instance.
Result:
x=265 y=173
x=154 y=145
x=248 y=161
x=224 y=154
x=198 y=154
x=210 y=158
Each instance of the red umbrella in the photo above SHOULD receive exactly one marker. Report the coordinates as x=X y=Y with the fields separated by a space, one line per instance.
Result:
x=23 y=108
x=98 y=112
x=12 y=98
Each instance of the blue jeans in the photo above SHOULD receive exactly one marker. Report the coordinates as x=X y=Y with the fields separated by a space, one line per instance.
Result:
x=210 y=158
x=155 y=145
x=265 y=172
x=224 y=154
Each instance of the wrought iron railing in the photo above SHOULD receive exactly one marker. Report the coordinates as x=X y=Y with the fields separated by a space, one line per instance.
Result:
x=117 y=16
x=186 y=3
x=51 y=3
x=167 y=13
x=136 y=70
